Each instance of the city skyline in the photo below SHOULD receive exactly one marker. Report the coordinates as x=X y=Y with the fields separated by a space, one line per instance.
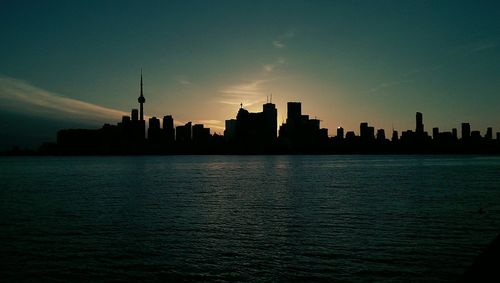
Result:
x=259 y=133
x=76 y=65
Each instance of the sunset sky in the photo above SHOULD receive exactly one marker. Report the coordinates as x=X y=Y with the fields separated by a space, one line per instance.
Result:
x=77 y=63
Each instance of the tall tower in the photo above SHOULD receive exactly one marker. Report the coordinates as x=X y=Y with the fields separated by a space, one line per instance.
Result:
x=141 y=101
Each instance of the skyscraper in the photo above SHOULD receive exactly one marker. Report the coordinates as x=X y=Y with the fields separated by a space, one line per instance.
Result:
x=489 y=134
x=465 y=131
x=363 y=130
x=135 y=116
x=420 y=126
x=435 y=133
x=271 y=121
x=340 y=133
x=294 y=111
x=168 y=128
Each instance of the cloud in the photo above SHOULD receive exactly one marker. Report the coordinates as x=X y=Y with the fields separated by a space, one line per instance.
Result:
x=183 y=81
x=280 y=41
x=389 y=84
x=405 y=78
x=248 y=93
x=278 y=44
x=484 y=46
x=212 y=124
x=23 y=97
x=268 y=68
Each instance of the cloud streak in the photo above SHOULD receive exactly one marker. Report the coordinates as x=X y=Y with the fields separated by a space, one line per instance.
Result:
x=23 y=97
x=484 y=46
x=389 y=84
x=248 y=93
x=281 y=41
x=183 y=81
x=214 y=125
x=268 y=68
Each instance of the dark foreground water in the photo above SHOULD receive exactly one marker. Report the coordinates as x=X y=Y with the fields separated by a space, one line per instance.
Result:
x=245 y=218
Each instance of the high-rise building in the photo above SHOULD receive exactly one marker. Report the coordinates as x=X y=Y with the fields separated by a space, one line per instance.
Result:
x=435 y=133
x=340 y=133
x=465 y=131
x=454 y=133
x=489 y=133
x=135 y=115
x=230 y=130
x=271 y=121
x=183 y=133
x=363 y=129
x=125 y=119
x=201 y=135
x=168 y=128
x=168 y=122
x=299 y=131
x=420 y=126
x=154 y=131
x=395 y=136
x=294 y=111
x=380 y=135
x=366 y=133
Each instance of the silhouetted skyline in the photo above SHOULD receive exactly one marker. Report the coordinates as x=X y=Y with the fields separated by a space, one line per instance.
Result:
x=75 y=64
x=257 y=133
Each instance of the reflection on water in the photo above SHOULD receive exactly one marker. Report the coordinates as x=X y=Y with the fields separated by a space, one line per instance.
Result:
x=250 y=218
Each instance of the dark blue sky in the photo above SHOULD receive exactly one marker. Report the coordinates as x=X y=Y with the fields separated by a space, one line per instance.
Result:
x=347 y=61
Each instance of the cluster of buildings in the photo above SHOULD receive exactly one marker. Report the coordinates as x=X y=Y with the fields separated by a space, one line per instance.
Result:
x=258 y=133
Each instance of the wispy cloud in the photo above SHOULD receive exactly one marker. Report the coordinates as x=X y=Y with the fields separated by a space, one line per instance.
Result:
x=405 y=78
x=281 y=40
x=279 y=43
x=484 y=46
x=248 y=93
x=216 y=125
x=183 y=81
x=23 y=97
x=268 y=68
x=417 y=71
x=389 y=84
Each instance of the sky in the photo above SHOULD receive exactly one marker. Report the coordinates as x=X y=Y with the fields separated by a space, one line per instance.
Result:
x=74 y=64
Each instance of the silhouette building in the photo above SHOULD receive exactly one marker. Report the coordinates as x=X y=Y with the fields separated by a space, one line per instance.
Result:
x=301 y=133
x=230 y=130
x=168 y=129
x=435 y=133
x=201 y=135
x=489 y=134
x=420 y=126
x=380 y=135
x=256 y=131
x=340 y=133
x=465 y=131
x=183 y=133
x=154 y=130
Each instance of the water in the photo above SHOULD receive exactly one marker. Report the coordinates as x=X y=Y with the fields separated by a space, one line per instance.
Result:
x=245 y=218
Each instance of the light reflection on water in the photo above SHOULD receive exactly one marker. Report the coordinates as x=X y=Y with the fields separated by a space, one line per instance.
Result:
x=249 y=218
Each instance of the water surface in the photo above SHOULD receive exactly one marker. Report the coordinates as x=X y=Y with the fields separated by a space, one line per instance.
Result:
x=245 y=218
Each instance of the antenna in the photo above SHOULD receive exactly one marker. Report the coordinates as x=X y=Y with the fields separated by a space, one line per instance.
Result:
x=271 y=97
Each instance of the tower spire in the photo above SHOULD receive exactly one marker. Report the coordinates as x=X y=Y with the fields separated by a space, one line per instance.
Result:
x=141 y=100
